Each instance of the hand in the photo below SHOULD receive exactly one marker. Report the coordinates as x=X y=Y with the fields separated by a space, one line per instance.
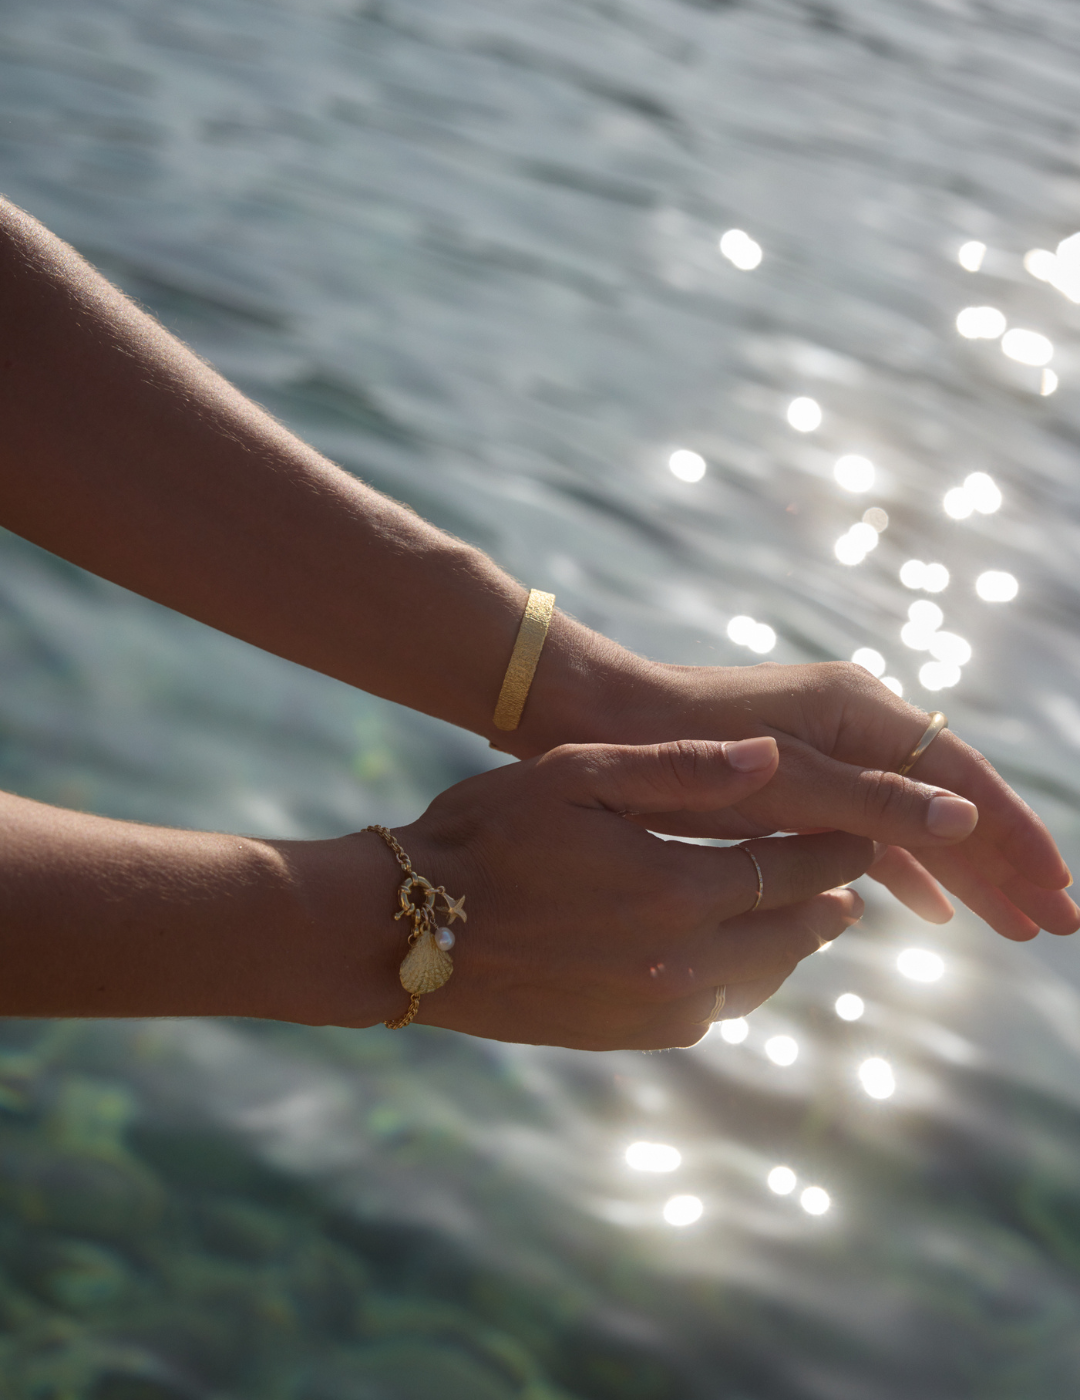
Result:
x=587 y=931
x=842 y=734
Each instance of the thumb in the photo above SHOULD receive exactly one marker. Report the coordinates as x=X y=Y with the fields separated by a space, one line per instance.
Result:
x=685 y=775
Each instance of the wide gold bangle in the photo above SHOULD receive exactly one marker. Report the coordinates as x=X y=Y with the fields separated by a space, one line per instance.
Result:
x=427 y=965
x=519 y=674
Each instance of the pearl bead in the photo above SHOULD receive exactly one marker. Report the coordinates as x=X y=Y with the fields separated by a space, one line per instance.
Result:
x=444 y=939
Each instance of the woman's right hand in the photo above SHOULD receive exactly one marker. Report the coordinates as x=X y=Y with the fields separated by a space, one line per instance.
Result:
x=585 y=930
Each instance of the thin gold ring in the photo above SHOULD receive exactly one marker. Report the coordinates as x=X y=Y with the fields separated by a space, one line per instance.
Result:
x=760 y=877
x=718 y=1004
x=938 y=722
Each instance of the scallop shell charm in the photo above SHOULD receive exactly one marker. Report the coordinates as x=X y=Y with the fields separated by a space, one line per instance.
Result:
x=426 y=967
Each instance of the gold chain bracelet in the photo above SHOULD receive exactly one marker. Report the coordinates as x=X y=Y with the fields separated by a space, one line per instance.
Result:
x=427 y=965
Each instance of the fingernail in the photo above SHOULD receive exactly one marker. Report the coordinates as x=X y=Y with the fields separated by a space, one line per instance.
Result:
x=1070 y=875
x=750 y=755
x=951 y=817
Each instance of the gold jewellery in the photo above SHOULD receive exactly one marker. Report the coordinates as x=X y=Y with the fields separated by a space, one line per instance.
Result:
x=760 y=878
x=938 y=722
x=427 y=965
x=519 y=673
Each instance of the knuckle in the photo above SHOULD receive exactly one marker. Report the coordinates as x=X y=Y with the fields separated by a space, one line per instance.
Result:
x=681 y=762
x=845 y=675
x=884 y=795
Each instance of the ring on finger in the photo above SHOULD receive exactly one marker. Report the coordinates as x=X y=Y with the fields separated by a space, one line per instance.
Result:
x=760 y=877
x=938 y=722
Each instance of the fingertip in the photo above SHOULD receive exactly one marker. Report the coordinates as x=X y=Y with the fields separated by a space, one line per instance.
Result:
x=1067 y=932
x=951 y=818
x=1020 y=935
x=752 y=755
x=853 y=902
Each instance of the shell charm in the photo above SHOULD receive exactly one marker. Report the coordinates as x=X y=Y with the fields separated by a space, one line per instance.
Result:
x=426 y=967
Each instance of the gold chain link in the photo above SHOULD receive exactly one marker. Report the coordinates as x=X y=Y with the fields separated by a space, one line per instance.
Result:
x=421 y=914
x=398 y=850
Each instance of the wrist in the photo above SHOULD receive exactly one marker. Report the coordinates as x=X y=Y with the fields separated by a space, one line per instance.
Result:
x=587 y=689
x=343 y=950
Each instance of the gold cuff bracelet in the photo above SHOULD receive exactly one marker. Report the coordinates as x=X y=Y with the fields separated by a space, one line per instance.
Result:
x=519 y=674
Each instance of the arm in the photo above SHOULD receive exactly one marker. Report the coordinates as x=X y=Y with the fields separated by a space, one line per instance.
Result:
x=107 y=918
x=126 y=454
x=104 y=918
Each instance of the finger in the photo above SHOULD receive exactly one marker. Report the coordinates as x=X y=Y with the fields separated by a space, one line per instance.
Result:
x=869 y=801
x=912 y=884
x=1006 y=821
x=1052 y=910
x=793 y=869
x=812 y=790
x=961 y=879
x=683 y=1025
x=685 y=775
x=772 y=942
x=744 y=997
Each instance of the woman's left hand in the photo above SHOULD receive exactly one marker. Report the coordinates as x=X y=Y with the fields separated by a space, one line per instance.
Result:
x=842 y=735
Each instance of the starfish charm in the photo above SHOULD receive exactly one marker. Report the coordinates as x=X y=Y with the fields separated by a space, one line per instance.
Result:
x=454 y=909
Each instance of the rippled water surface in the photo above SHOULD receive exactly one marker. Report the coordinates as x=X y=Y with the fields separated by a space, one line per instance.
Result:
x=471 y=251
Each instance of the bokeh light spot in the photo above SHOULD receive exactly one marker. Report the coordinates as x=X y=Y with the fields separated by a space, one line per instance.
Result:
x=782 y=1050
x=653 y=1157
x=815 y=1200
x=981 y=323
x=983 y=492
x=683 y=1210
x=850 y=1007
x=870 y=660
x=996 y=587
x=1027 y=347
x=686 y=465
x=854 y=473
x=938 y=675
x=782 y=1180
x=877 y=1078
x=741 y=250
x=921 y=965
x=804 y=415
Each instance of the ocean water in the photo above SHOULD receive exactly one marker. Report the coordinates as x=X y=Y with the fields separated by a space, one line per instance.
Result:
x=471 y=252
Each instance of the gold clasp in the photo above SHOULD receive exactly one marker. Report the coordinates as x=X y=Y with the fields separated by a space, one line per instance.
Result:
x=411 y=907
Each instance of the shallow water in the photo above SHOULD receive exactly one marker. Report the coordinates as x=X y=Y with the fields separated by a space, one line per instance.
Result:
x=470 y=251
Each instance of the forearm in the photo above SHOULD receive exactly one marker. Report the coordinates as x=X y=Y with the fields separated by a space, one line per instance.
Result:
x=126 y=454
x=105 y=918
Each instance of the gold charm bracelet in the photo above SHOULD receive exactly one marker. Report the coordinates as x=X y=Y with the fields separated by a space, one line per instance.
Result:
x=427 y=965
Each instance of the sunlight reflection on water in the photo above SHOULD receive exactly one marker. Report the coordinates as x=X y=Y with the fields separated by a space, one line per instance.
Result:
x=495 y=261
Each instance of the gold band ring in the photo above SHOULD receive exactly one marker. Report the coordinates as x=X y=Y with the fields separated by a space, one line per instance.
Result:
x=760 y=877
x=718 y=1004
x=938 y=722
